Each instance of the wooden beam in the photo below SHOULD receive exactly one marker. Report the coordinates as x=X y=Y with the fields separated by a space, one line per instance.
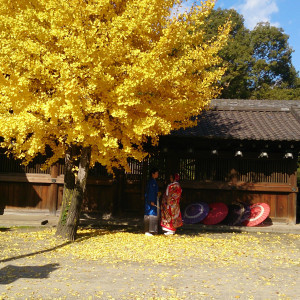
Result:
x=292 y=203
x=243 y=186
x=25 y=177
x=53 y=190
x=46 y=178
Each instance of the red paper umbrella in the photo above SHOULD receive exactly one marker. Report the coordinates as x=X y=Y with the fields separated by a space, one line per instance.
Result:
x=259 y=212
x=218 y=212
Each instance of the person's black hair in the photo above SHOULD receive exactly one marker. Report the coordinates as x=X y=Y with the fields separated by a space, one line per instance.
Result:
x=153 y=170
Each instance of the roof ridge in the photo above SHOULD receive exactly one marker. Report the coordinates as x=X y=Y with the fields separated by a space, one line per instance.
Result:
x=254 y=105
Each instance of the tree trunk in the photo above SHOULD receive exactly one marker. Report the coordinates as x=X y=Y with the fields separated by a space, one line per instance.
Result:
x=74 y=188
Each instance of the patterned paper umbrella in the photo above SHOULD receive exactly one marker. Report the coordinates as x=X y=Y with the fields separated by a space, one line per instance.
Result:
x=218 y=212
x=195 y=213
x=237 y=213
x=246 y=214
x=259 y=212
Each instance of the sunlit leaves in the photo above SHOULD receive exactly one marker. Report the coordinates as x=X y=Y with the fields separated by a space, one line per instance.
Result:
x=101 y=74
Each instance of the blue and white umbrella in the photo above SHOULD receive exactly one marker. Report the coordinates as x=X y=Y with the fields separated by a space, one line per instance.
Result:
x=195 y=213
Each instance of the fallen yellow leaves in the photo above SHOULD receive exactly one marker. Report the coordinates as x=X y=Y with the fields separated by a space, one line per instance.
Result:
x=107 y=264
x=114 y=247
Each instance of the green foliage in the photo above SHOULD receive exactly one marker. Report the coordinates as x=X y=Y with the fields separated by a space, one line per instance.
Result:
x=282 y=92
x=258 y=62
x=272 y=57
x=237 y=55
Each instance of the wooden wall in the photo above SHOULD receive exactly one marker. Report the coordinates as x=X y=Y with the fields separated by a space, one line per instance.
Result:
x=208 y=179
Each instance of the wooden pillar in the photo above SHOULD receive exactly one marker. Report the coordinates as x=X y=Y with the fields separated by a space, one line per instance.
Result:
x=53 y=189
x=292 y=198
x=119 y=194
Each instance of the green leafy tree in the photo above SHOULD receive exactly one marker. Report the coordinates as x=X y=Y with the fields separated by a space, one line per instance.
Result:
x=236 y=55
x=258 y=62
x=272 y=57
x=282 y=92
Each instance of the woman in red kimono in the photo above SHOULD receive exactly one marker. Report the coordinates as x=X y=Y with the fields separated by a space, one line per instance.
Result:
x=170 y=209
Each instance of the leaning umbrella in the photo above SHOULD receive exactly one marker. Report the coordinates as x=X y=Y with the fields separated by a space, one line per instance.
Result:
x=218 y=212
x=237 y=213
x=246 y=214
x=259 y=212
x=195 y=213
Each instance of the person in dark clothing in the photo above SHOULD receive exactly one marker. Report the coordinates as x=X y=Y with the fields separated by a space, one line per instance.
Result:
x=150 y=214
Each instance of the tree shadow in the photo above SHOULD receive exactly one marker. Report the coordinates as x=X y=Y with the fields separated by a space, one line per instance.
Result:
x=34 y=253
x=85 y=237
x=114 y=228
x=11 y=273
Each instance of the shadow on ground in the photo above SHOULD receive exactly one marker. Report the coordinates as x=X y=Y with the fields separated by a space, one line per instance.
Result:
x=79 y=239
x=12 y=273
x=136 y=226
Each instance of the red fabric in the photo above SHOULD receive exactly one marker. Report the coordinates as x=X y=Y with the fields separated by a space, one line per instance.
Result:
x=170 y=209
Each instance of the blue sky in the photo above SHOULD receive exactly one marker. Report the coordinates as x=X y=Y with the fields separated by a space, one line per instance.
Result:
x=280 y=13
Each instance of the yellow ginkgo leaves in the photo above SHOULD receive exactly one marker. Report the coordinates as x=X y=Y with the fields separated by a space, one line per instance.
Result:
x=101 y=74
x=115 y=247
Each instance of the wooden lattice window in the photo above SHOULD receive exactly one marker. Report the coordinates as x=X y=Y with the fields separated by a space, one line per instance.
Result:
x=246 y=170
x=136 y=169
x=139 y=168
x=263 y=171
x=187 y=167
x=99 y=171
x=11 y=165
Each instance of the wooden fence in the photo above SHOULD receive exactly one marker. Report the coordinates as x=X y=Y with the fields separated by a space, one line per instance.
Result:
x=203 y=178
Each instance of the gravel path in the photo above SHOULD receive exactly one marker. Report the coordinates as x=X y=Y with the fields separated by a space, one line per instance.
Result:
x=124 y=264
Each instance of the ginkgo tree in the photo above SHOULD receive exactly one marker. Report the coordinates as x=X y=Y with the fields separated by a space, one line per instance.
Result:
x=93 y=80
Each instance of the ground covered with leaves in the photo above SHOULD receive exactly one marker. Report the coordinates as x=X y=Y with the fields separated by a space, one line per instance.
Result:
x=121 y=264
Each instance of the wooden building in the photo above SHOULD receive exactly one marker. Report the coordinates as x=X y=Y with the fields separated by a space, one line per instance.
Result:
x=241 y=150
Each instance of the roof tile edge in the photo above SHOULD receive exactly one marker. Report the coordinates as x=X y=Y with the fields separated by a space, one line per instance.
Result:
x=257 y=105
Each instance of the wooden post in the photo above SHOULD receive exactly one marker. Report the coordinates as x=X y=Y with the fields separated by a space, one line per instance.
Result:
x=118 y=187
x=53 y=189
x=292 y=198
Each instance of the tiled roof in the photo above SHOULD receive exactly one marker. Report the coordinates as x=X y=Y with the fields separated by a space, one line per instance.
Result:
x=272 y=120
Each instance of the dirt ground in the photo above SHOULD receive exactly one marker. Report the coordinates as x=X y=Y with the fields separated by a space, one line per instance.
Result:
x=122 y=263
